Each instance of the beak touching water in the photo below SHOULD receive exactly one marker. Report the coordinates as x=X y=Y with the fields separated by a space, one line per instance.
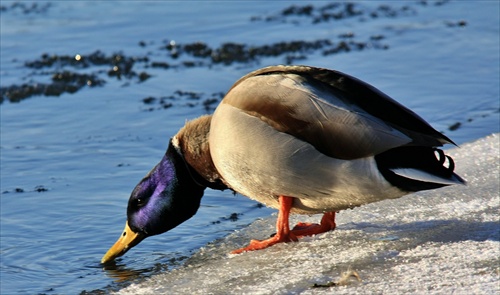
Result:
x=127 y=240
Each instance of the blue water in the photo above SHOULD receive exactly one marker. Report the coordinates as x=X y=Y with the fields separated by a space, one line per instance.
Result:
x=68 y=163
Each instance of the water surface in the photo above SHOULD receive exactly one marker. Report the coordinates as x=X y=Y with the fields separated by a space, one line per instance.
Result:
x=69 y=162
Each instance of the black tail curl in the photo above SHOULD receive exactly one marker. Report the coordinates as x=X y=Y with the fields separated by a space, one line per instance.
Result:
x=427 y=159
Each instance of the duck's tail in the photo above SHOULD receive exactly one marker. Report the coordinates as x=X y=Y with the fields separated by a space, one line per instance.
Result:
x=416 y=168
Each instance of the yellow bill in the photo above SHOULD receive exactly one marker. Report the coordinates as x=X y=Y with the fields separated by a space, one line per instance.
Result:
x=127 y=240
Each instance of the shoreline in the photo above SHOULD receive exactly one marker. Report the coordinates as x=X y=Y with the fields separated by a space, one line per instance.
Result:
x=439 y=241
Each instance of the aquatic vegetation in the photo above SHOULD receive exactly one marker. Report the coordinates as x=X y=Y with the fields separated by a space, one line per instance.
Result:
x=66 y=69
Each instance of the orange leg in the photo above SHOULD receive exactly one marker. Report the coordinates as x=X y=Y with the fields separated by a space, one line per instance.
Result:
x=283 y=233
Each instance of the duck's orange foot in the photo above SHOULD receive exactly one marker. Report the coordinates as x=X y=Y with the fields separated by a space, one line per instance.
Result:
x=308 y=229
x=254 y=245
x=259 y=245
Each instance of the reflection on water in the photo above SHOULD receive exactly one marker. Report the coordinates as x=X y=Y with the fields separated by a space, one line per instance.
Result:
x=120 y=272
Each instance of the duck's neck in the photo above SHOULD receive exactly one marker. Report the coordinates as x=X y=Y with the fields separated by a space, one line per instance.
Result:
x=192 y=141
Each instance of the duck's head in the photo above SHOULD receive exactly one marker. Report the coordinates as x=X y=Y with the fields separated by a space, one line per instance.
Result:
x=171 y=192
x=168 y=195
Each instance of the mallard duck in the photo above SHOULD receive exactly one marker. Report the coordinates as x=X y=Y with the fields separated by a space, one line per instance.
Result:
x=299 y=139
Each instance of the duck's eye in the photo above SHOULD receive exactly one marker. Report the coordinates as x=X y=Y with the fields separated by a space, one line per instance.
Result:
x=139 y=202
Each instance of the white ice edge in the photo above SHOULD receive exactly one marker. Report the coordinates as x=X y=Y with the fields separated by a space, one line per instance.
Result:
x=443 y=241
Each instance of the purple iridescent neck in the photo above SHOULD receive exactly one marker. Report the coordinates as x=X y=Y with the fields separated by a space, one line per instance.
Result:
x=166 y=197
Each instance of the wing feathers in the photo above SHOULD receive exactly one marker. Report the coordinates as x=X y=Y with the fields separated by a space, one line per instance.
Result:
x=311 y=112
x=361 y=95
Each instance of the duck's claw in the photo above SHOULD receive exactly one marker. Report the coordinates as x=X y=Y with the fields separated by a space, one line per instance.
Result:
x=259 y=245
x=308 y=229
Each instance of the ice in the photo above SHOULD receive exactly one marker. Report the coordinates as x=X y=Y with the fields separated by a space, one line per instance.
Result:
x=444 y=241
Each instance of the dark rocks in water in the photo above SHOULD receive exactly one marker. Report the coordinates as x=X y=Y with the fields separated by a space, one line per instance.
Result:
x=67 y=77
x=38 y=188
x=184 y=98
x=97 y=58
x=230 y=53
x=66 y=69
x=232 y=217
x=62 y=82
x=460 y=23
x=66 y=81
x=455 y=126
x=157 y=64
x=334 y=12
x=198 y=49
x=26 y=8
x=149 y=100
x=210 y=104
x=143 y=76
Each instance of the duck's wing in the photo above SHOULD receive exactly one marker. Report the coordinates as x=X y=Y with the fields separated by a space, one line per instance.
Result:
x=340 y=115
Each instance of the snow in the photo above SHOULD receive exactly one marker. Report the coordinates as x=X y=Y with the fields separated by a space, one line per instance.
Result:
x=445 y=241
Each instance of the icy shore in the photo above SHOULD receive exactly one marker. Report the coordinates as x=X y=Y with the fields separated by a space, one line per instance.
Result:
x=444 y=241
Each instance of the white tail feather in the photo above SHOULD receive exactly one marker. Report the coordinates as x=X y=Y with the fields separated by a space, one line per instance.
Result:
x=425 y=176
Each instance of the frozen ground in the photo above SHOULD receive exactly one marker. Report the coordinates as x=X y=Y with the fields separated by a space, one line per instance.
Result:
x=444 y=241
